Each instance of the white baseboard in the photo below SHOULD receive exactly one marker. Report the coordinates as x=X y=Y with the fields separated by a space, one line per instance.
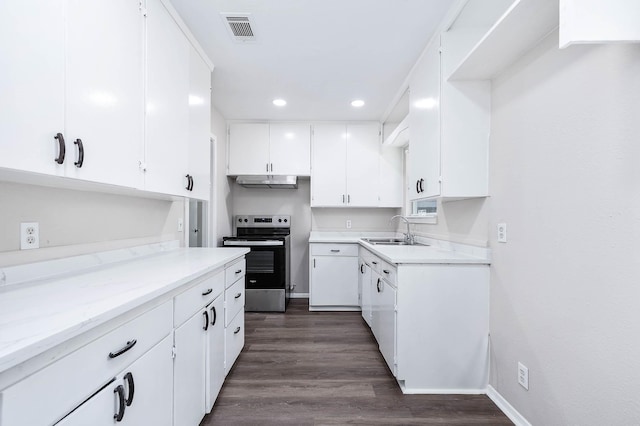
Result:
x=506 y=408
x=299 y=295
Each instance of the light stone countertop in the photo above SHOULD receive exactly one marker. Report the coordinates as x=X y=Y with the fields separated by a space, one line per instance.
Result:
x=428 y=251
x=37 y=316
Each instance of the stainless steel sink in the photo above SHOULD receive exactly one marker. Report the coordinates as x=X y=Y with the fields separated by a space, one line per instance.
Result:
x=387 y=241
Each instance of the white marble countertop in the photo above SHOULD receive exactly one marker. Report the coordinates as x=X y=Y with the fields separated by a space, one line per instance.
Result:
x=39 y=315
x=428 y=251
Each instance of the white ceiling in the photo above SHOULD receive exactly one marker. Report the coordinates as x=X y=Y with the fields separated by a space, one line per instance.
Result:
x=319 y=55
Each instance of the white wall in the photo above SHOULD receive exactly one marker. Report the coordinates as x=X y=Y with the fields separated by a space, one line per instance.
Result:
x=222 y=185
x=76 y=222
x=565 y=288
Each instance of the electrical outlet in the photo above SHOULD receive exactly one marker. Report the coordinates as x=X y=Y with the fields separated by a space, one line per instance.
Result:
x=180 y=225
x=523 y=376
x=502 y=232
x=29 y=235
x=348 y=223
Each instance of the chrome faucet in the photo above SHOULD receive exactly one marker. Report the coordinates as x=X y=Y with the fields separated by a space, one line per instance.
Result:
x=408 y=237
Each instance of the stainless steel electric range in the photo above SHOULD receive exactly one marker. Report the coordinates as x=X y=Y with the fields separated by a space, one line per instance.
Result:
x=267 y=280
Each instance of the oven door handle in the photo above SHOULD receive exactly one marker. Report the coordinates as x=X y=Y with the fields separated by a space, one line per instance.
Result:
x=246 y=243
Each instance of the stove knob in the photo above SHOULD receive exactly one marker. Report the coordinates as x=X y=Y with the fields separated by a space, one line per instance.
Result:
x=240 y=220
x=279 y=220
x=285 y=221
x=246 y=220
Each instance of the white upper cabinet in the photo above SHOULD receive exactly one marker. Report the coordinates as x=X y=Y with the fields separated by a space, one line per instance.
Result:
x=167 y=108
x=599 y=21
x=105 y=91
x=66 y=77
x=290 y=149
x=345 y=165
x=424 y=119
x=248 y=149
x=269 y=149
x=32 y=84
x=199 y=125
x=390 y=183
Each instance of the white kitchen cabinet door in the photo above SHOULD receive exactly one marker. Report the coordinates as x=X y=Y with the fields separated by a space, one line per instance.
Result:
x=150 y=399
x=105 y=90
x=199 y=125
x=391 y=181
x=248 y=149
x=215 y=352
x=329 y=163
x=290 y=149
x=386 y=322
x=233 y=341
x=365 y=291
x=167 y=103
x=189 y=370
x=424 y=118
x=363 y=154
x=32 y=37
x=334 y=281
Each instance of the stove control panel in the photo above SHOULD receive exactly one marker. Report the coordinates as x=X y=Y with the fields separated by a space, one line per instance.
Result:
x=261 y=221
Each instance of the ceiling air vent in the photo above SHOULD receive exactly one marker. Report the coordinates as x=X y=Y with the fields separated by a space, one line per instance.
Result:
x=240 y=26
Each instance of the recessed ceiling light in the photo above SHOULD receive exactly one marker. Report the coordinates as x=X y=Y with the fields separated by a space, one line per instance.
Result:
x=357 y=103
x=279 y=102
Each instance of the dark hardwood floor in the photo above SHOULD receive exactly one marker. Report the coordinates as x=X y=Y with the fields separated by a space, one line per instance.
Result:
x=324 y=368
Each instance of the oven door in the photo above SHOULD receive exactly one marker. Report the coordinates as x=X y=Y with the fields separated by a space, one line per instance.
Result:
x=266 y=262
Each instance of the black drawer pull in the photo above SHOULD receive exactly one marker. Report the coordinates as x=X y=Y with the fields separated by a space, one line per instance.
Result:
x=375 y=263
x=80 y=161
x=362 y=268
x=237 y=331
x=121 y=403
x=61 y=148
x=238 y=295
x=130 y=386
x=188 y=183
x=335 y=251
x=386 y=271
x=129 y=345
x=238 y=271
x=378 y=285
x=207 y=291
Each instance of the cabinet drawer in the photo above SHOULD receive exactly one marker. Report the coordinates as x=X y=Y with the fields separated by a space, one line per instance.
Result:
x=202 y=293
x=39 y=399
x=334 y=250
x=233 y=341
x=234 y=301
x=388 y=272
x=234 y=272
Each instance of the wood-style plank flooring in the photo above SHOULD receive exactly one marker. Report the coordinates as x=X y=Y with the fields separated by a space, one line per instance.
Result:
x=324 y=368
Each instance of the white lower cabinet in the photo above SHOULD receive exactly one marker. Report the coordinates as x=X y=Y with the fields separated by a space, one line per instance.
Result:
x=365 y=290
x=234 y=296
x=333 y=277
x=233 y=341
x=141 y=394
x=431 y=322
x=214 y=366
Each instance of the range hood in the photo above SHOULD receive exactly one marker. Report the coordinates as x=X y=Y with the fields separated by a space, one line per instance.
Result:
x=276 y=182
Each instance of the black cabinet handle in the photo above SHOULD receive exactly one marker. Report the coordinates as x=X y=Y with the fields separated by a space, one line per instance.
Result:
x=421 y=185
x=386 y=271
x=191 y=184
x=78 y=163
x=335 y=251
x=188 y=182
x=238 y=271
x=206 y=320
x=61 y=148
x=237 y=296
x=214 y=314
x=378 y=285
x=237 y=330
x=362 y=268
x=348 y=198
x=129 y=345
x=121 y=403
x=207 y=291
x=130 y=386
x=417 y=186
x=375 y=263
